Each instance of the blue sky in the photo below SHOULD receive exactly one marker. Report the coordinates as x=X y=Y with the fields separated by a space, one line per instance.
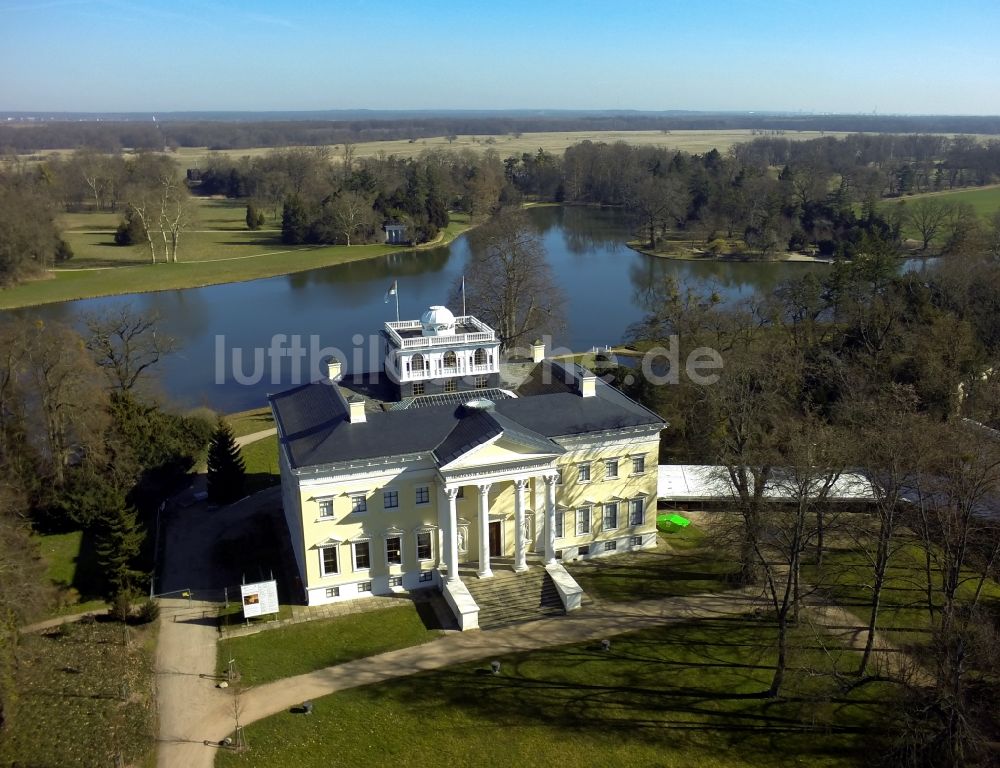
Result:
x=840 y=56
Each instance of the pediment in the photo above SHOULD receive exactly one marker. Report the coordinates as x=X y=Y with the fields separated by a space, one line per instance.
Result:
x=502 y=450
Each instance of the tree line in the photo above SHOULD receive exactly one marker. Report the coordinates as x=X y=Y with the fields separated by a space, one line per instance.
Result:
x=863 y=370
x=84 y=445
x=111 y=135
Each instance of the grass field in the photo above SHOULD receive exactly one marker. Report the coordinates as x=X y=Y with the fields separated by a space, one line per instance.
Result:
x=684 y=563
x=72 y=708
x=984 y=200
x=206 y=258
x=508 y=144
x=903 y=616
x=72 y=568
x=299 y=648
x=248 y=422
x=686 y=695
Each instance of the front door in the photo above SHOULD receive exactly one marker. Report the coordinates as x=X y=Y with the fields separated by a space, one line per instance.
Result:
x=496 y=539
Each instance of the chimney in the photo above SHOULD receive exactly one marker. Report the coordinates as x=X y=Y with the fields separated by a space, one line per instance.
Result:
x=356 y=412
x=333 y=369
x=588 y=385
x=538 y=351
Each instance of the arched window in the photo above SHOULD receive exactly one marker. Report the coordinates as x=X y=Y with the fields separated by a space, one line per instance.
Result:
x=417 y=362
x=450 y=360
x=479 y=357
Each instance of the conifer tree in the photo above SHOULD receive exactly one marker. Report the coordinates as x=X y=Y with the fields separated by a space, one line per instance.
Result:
x=226 y=470
x=119 y=539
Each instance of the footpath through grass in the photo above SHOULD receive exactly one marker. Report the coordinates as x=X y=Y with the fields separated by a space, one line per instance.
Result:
x=677 y=696
x=83 y=697
x=293 y=650
x=683 y=563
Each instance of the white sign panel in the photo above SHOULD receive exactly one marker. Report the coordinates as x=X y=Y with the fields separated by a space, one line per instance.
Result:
x=259 y=599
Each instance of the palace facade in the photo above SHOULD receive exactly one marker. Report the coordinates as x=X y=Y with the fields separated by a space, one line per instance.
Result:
x=384 y=497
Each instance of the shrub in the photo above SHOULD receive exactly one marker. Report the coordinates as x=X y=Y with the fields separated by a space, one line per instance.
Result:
x=149 y=611
x=121 y=605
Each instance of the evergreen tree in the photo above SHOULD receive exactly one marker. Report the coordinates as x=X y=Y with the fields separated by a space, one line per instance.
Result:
x=119 y=539
x=226 y=471
x=253 y=219
x=294 y=222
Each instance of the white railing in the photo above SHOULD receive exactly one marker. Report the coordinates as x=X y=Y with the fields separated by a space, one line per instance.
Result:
x=417 y=375
x=483 y=334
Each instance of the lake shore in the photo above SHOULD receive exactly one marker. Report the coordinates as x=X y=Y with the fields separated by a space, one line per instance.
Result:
x=704 y=256
x=71 y=284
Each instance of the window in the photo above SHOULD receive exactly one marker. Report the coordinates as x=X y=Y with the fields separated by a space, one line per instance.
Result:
x=451 y=386
x=359 y=503
x=610 y=546
x=559 y=525
x=362 y=556
x=583 y=550
x=328 y=560
x=611 y=469
x=482 y=382
x=333 y=592
x=583 y=473
x=426 y=576
x=638 y=465
x=637 y=541
x=395 y=581
x=479 y=357
x=394 y=550
x=611 y=515
x=390 y=499
x=418 y=388
x=423 y=494
x=417 y=362
x=424 y=545
x=364 y=586
x=450 y=360
x=583 y=521
x=326 y=508
x=637 y=512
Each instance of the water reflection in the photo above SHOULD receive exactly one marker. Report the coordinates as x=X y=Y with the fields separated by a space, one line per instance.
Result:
x=607 y=287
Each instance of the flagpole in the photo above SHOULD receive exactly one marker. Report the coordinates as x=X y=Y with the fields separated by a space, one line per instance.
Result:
x=463 y=296
x=395 y=284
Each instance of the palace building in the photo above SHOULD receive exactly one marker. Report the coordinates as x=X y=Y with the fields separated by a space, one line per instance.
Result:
x=459 y=478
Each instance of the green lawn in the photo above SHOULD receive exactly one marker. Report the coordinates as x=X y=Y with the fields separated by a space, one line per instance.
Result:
x=248 y=422
x=72 y=568
x=261 y=459
x=299 y=648
x=984 y=200
x=69 y=709
x=229 y=256
x=676 y=696
x=683 y=563
x=903 y=615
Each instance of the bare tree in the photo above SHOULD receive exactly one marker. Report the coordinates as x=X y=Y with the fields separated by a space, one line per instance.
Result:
x=928 y=216
x=125 y=344
x=509 y=284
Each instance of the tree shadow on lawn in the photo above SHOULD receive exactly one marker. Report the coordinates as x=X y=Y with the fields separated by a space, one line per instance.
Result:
x=654 y=574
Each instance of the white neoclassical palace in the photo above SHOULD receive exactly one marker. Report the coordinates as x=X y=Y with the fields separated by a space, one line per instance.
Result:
x=383 y=497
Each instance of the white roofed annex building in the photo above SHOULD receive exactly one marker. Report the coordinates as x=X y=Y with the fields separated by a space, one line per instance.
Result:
x=458 y=478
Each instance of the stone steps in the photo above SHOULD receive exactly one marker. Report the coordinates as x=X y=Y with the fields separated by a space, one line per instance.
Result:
x=509 y=598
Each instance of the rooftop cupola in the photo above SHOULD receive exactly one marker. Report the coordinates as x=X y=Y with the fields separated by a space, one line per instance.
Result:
x=437 y=321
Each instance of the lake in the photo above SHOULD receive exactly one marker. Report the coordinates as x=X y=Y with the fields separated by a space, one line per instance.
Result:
x=329 y=308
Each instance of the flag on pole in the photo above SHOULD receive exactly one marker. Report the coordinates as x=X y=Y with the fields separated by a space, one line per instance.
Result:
x=463 y=296
x=390 y=292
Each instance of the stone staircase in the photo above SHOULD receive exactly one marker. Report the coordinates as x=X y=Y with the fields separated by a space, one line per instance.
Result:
x=509 y=598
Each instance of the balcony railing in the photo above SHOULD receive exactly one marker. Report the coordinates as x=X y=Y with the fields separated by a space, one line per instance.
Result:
x=482 y=335
x=461 y=370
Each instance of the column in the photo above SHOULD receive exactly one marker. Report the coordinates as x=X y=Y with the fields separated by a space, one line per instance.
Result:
x=550 y=519
x=520 y=559
x=484 y=531
x=451 y=536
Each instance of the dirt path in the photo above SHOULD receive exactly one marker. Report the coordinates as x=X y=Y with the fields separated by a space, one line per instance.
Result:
x=253 y=437
x=195 y=715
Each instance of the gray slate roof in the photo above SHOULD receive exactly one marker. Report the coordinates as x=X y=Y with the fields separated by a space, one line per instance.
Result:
x=312 y=424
